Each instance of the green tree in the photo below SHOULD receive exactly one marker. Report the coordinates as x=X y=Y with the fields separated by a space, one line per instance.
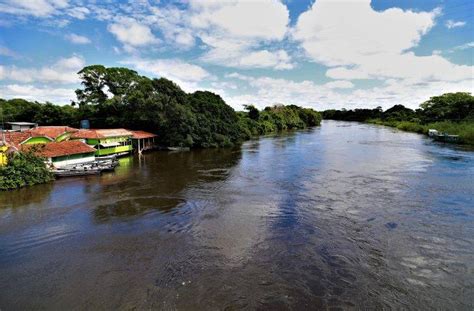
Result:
x=24 y=169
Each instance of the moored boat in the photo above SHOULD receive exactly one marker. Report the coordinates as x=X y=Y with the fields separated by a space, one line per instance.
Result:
x=443 y=137
x=75 y=172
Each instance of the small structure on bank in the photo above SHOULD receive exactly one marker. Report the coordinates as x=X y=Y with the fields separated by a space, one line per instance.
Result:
x=143 y=141
x=21 y=126
x=62 y=154
x=106 y=141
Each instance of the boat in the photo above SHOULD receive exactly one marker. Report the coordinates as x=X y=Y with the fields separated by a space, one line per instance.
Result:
x=443 y=137
x=75 y=172
x=178 y=148
x=90 y=168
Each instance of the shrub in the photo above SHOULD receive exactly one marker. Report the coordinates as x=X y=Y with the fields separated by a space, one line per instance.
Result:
x=24 y=169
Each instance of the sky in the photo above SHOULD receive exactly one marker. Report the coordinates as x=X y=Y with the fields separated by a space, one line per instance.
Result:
x=324 y=54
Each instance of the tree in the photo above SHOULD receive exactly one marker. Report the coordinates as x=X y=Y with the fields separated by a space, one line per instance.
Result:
x=452 y=106
x=253 y=112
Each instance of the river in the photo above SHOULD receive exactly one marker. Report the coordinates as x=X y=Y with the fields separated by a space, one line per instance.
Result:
x=346 y=215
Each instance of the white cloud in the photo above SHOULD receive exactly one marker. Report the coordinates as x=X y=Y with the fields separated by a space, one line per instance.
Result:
x=77 y=39
x=79 y=12
x=465 y=46
x=234 y=32
x=350 y=32
x=309 y=94
x=462 y=47
x=233 y=56
x=361 y=43
x=405 y=66
x=42 y=94
x=132 y=33
x=236 y=75
x=37 y=8
x=63 y=71
x=173 y=24
x=264 y=19
x=339 y=84
x=4 y=51
x=186 y=75
x=454 y=24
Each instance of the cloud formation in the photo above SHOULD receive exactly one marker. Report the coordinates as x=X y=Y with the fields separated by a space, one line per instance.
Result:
x=63 y=71
x=454 y=24
x=77 y=39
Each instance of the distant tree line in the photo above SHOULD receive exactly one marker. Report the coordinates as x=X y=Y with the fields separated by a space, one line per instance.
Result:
x=447 y=107
x=120 y=97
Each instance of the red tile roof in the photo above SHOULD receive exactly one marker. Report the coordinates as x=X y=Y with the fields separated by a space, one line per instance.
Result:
x=142 y=135
x=51 y=131
x=101 y=133
x=16 y=138
x=57 y=149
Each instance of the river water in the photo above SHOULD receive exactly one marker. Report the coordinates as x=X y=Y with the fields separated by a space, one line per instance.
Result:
x=344 y=216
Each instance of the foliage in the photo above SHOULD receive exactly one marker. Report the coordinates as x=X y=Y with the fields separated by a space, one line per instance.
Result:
x=277 y=118
x=449 y=106
x=120 y=97
x=200 y=119
x=24 y=169
x=44 y=114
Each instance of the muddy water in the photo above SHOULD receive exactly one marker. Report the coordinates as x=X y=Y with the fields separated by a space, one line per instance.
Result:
x=347 y=215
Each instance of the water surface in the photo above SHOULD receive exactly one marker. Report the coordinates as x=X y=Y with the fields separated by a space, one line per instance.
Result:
x=348 y=215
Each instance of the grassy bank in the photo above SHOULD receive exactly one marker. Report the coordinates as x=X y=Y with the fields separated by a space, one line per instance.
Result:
x=464 y=129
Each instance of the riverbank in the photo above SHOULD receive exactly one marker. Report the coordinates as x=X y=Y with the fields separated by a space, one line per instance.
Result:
x=464 y=129
x=25 y=169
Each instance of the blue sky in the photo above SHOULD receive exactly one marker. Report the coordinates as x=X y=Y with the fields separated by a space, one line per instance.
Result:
x=321 y=54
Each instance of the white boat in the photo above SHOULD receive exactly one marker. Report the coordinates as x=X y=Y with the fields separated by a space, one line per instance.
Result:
x=444 y=137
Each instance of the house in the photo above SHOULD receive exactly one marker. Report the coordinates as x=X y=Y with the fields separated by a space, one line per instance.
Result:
x=38 y=135
x=16 y=139
x=106 y=141
x=143 y=141
x=64 y=153
x=21 y=126
x=54 y=133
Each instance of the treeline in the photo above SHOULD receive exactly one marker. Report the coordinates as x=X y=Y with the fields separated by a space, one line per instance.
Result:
x=277 y=118
x=452 y=113
x=120 y=97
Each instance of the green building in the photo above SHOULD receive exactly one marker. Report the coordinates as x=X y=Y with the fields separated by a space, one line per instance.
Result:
x=106 y=141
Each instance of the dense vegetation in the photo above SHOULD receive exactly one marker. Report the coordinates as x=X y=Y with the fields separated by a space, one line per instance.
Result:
x=24 y=169
x=120 y=97
x=451 y=113
x=277 y=118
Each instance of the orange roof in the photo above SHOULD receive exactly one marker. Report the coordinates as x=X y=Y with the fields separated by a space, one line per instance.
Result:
x=16 y=138
x=55 y=149
x=142 y=134
x=51 y=131
x=101 y=133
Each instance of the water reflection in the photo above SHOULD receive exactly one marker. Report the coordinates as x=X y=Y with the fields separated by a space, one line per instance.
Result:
x=24 y=196
x=347 y=216
x=154 y=182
